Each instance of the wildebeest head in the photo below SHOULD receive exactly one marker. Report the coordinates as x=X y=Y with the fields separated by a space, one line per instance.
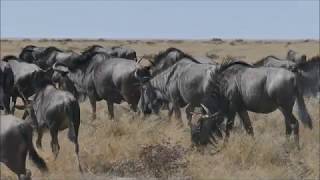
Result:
x=6 y=85
x=150 y=99
x=1 y=91
x=30 y=53
x=205 y=126
x=296 y=57
x=60 y=71
x=142 y=73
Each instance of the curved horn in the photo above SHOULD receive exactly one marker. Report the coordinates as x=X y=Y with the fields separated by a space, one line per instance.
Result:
x=152 y=63
x=60 y=68
x=140 y=59
x=205 y=109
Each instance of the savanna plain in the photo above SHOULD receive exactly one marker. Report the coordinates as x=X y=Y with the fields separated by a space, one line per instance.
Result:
x=155 y=147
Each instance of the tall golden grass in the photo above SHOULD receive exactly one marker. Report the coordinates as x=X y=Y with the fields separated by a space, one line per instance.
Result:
x=155 y=147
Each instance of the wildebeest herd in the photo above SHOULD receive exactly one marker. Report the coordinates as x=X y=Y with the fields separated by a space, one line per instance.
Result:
x=51 y=82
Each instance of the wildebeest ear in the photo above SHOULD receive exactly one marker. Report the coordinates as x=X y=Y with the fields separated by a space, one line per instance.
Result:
x=31 y=98
x=60 y=68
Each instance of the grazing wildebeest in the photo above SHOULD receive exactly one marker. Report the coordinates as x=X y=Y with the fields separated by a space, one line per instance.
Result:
x=272 y=61
x=238 y=87
x=99 y=76
x=6 y=86
x=16 y=143
x=184 y=82
x=22 y=72
x=296 y=57
x=55 y=110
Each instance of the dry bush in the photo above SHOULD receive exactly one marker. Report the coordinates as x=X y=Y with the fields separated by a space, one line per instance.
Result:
x=212 y=55
x=217 y=41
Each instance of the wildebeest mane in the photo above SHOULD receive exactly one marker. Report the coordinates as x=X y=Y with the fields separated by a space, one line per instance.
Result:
x=9 y=57
x=261 y=61
x=47 y=52
x=91 y=48
x=229 y=63
x=115 y=47
x=28 y=47
x=182 y=55
x=85 y=57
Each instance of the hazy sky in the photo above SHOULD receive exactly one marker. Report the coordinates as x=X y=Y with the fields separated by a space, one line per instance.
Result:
x=160 y=19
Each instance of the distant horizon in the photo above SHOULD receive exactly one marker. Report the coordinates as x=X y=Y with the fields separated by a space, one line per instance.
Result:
x=176 y=20
x=154 y=39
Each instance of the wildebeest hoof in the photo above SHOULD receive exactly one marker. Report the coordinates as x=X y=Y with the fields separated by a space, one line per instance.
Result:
x=26 y=176
x=94 y=117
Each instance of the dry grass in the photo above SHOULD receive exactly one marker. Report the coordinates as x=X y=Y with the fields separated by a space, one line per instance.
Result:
x=157 y=147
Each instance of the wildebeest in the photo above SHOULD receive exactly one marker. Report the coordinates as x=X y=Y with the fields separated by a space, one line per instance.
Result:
x=166 y=59
x=296 y=57
x=115 y=51
x=16 y=143
x=45 y=57
x=30 y=53
x=22 y=72
x=55 y=110
x=99 y=76
x=6 y=85
x=124 y=52
x=238 y=87
x=272 y=61
x=308 y=74
x=184 y=82
x=170 y=56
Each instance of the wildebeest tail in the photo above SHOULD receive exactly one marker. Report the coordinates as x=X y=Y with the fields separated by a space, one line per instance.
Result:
x=73 y=112
x=26 y=131
x=303 y=113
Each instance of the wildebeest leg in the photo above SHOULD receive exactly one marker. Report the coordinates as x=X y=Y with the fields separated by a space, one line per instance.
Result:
x=14 y=101
x=7 y=104
x=177 y=113
x=229 y=125
x=170 y=110
x=17 y=164
x=110 y=110
x=93 y=106
x=287 y=123
x=39 y=139
x=77 y=154
x=26 y=176
x=54 y=142
x=291 y=124
x=244 y=117
x=189 y=110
